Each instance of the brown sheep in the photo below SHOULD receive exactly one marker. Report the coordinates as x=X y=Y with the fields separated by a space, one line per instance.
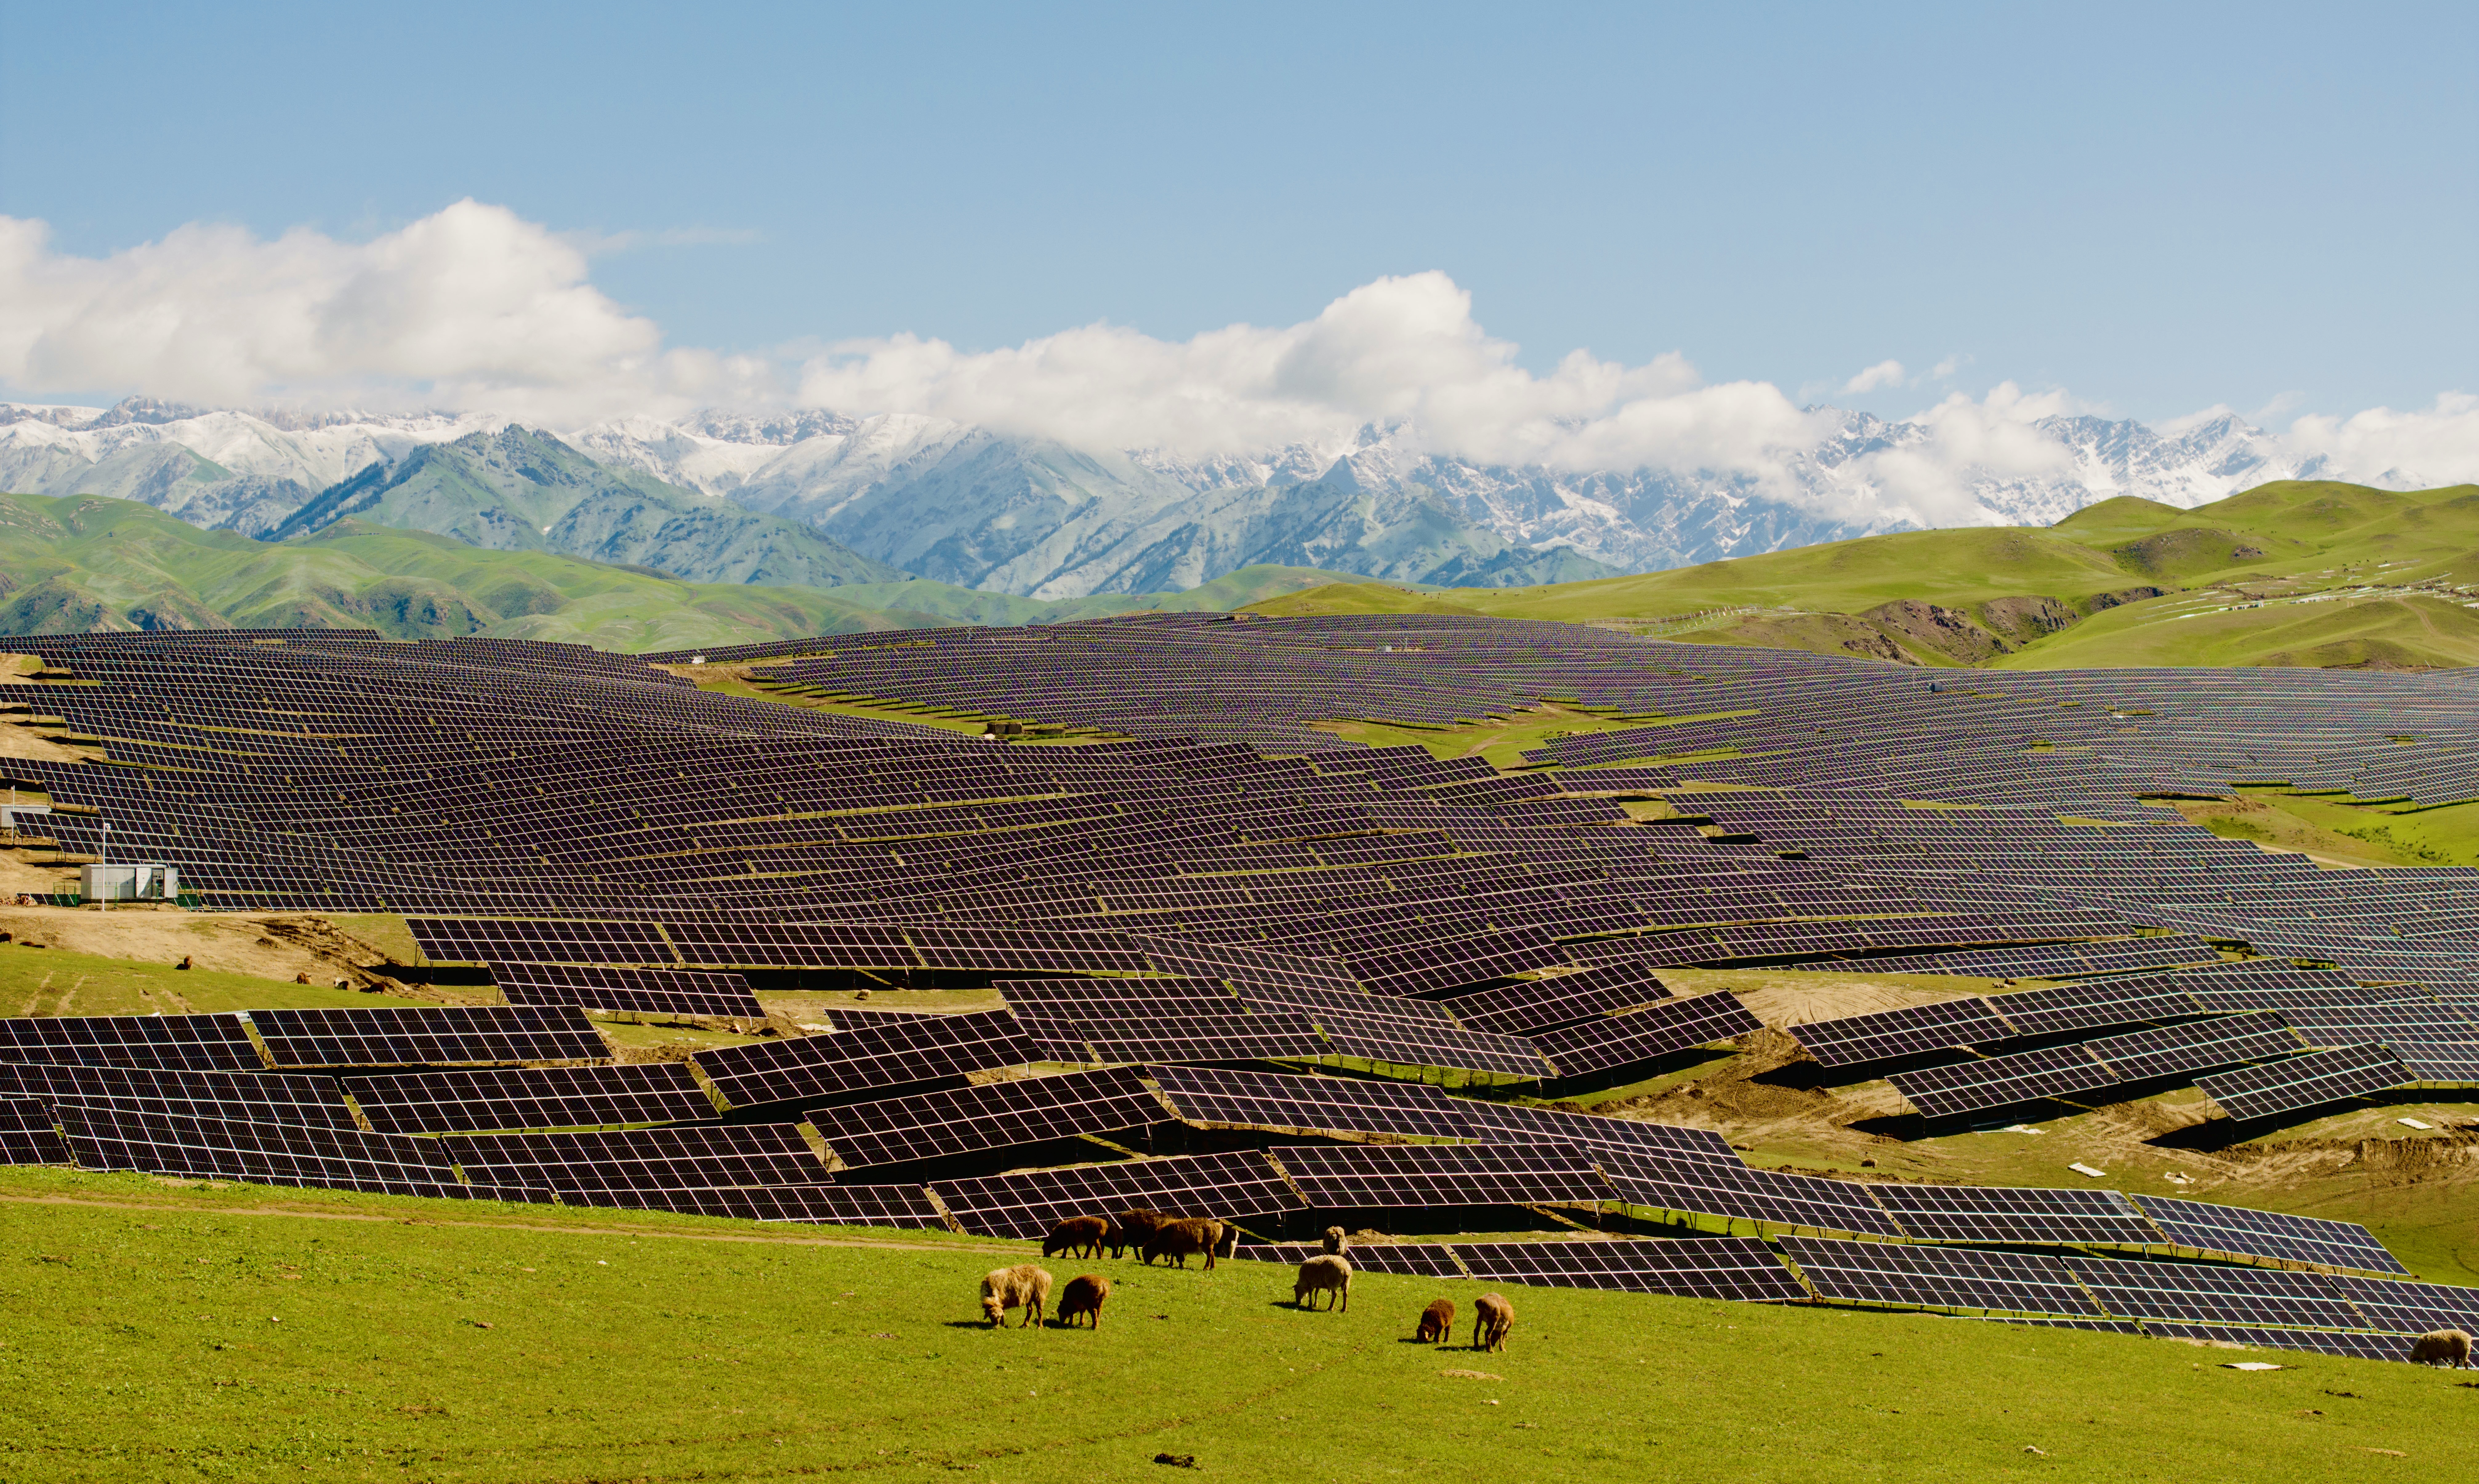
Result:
x=1437 y=1322
x=1324 y=1274
x=1491 y=1318
x=1178 y=1238
x=1132 y=1227
x=1086 y=1295
x=2451 y=1346
x=1335 y=1241
x=1022 y=1287
x=1078 y=1237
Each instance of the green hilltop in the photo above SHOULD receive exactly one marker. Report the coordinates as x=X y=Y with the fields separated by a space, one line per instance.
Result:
x=2292 y=573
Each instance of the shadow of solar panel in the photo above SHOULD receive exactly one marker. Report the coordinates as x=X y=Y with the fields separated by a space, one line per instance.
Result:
x=1963 y=1212
x=930 y=1125
x=628 y=991
x=1644 y=1035
x=2411 y=1308
x=27 y=1136
x=1536 y=1005
x=247 y=1097
x=1029 y=1203
x=2000 y=1081
x=906 y=1206
x=1734 y=1192
x=1375 y=1177
x=1393 y=1043
x=1311 y=1105
x=700 y=1158
x=2203 y=1293
x=435 y=1036
x=2240 y=1233
x=266 y=1153
x=171 y=1042
x=1889 y=1034
x=2093 y=1007
x=1242 y=965
x=1892 y=1274
x=545 y=1097
x=2310 y=1081
x=1732 y=1267
x=889 y=1054
x=2358 y=1345
x=1509 y=1123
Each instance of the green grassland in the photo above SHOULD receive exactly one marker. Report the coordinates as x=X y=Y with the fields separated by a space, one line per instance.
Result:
x=162 y=1330
x=53 y=982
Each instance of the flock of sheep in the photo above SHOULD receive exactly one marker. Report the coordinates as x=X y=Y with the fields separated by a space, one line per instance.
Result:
x=1026 y=1286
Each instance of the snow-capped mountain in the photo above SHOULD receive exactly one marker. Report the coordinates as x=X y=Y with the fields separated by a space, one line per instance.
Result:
x=1003 y=512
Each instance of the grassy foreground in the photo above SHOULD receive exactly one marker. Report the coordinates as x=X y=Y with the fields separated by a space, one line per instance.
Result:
x=158 y=1332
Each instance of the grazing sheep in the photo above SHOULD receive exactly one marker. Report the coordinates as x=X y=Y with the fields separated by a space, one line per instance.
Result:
x=1178 y=1238
x=1491 y=1318
x=184 y=964
x=1131 y=1228
x=1078 y=1237
x=1325 y=1274
x=1086 y=1295
x=1437 y=1322
x=1022 y=1287
x=2451 y=1346
x=1335 y=1240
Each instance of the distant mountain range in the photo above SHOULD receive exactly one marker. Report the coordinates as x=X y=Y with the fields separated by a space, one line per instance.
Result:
x=817 y=499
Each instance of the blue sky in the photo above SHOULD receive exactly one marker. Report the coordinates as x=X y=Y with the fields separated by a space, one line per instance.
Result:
x=2156 y=208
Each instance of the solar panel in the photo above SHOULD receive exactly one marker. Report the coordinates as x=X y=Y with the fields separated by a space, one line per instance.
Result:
x=248 y=1097
x=1387 y=1041
x=906 y=1206
x=1998 y=1082
x=1734 y=1192
x=2354 y=1344
x=27 y=1136
x=1956 y=1213
x=1373 y=1177
x=1404 y=1259
x=993 y=1115
x=1251 y=1037
x=2093 y=1006
x=886 y=1056
x=1311 y=1105
x=2445 y=1062
x=1890 y=1034
x=260 y=1153
x=700 y=1158
x=1516 y=1123
x=1892 y=1274
x=171 y=1042
x=1644 y=1035
x=1029 y=1203
x=534 y=1097
x=2311 y=1081
x=694 y=992
x=428 y=1036
x=2411 y=1308
x=2241 y=1233
x=1533 y=1005
x=2207 y=1294
x=2196 y=1047
x=1732 y=1267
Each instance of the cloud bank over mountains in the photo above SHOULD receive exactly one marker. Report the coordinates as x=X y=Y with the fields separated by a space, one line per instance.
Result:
x=476 y=309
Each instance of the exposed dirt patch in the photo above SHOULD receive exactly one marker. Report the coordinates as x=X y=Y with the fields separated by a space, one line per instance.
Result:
x=2023 y=620
x=2122 y=596
x=1935 y=630
x=265 y=945
x=1817 y=633
x=1806 y=998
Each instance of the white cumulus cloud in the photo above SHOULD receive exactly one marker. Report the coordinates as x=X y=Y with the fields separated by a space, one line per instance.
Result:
x=1884 y=374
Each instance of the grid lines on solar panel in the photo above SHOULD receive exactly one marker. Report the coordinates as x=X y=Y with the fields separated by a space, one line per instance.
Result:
x=2205 y=1294
x=1889 y=1034
x=1529 y=1006
x=2196 y=1046
x=1642 y=1035
x=1368 y=1177
x=1998 y=1082
x=1408 y=1259
x=1771 y=1199
x=447 y=1035
x=2411 y=1308
x=248 y=1097
x=698 y=1157
x=2450 y=1064
x=1249 y=1038
x=2275 y=1235
x=638 y=992
x=173 y=1043
x=260 y=1153
x=1387 y=1041
x=1892 y=1275
x=534 y=1097
x=2310 y=1081
x=2354 y=1344
x=2094 y=1006
x=993 y=1115
x=1995 y=1214
x=27 y=1136
x=1741 y=1268
x=1029 y=1203
x=906 y=1206
x=882 y=1055
x=1512 y=1123
x=1311 y=1105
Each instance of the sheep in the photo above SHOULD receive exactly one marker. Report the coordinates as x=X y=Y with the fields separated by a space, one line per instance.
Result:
x=1086 y=1295
x=1022 y=1287
x=1178 y=1238
x=1326 y=1273
x=1491 y=1318
x=1437 y=1322
x=2451 y=1346
x=1131 y=1228
x=184 y=964
x=1078 y=1237
x=1335 y=1240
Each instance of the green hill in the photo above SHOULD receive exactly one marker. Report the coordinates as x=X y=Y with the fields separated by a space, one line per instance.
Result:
x=2294 y=573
